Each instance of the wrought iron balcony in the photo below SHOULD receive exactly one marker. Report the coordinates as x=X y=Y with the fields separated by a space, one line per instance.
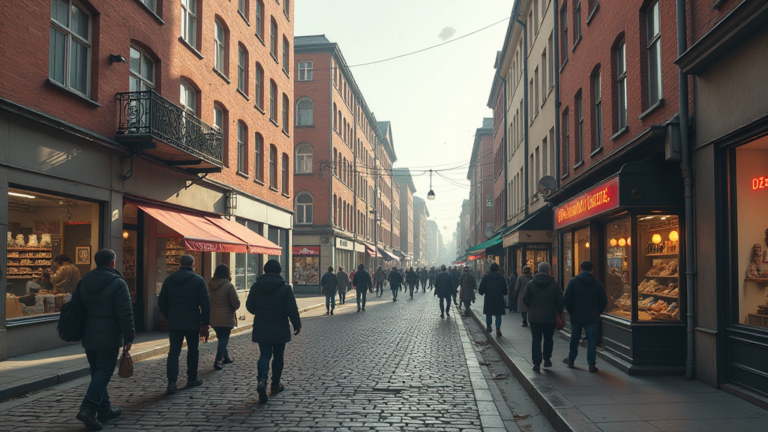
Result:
x=155 y=126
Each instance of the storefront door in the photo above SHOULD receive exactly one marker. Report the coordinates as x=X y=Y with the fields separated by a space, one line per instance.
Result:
x=132 y=265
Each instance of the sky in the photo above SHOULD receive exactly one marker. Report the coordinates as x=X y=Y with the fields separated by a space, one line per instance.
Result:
x=434 y=99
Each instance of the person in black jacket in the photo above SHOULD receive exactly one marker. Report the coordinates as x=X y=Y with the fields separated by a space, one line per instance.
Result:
x=273 y=305
x=423 y=276
x=329 y=284
x=394 y=283
x=412 y=279
x=585 y=300
x=443 y=290
x=106 y=304
x=493 y=287
x=431 y=277
x=455 y=277
x=363 y=284
x=544 y=299
x=186 y=305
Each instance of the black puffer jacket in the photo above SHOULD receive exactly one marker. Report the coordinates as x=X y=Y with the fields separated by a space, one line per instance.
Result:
x=108 y=311
x=329 y=283
x=272 y=304
x=493 y=286
x=585 y=299
x=184 y=300
x=443 y=285
x=543 y=298
x=362 y=280
x=455 y=276
x=395 y=279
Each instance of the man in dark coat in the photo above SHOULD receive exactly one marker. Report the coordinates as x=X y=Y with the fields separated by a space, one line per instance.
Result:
x=544 y=299
x=273 y=305
x=378 y=278
x=493 y=286
x=186 y=305
x=329 y=285
x=512 y=295
x=412 y=279
x=455 y=276
x=394 y=283
x=342 y=284
x=363 y=284
x=423 y=276
x=443 y=290
x=106 y=304
x=585 y=300
x=431 y=277
x=468 y=285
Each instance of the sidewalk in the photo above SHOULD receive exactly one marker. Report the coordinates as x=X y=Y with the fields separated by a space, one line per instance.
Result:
x=33 y=372
x=610 y=400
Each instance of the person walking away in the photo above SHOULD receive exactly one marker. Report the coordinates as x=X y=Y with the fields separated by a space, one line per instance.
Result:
x=468 y=285
x=423 y=276
x=512 y=295
x=274 y=310
x=352 y=278
x=379 y=277
x=329 y=285
x=66 y=277
x=185 y=304
x=431 y=277
x=455 y=276
x=402 y=276
x=494 y=287
x=522 y=282
x=443 y=290
x=412 y=279
x=544 y=299
x=106 y=304
x=224 y=305
x=394 y=283
x=585 y=300
x=363 y=283
x=342 y=284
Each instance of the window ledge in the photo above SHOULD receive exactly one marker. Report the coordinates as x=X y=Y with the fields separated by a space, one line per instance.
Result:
x=274 y=189
x=191 y=48
x=302 y=173
x=621 y=132
x=286 y=195
x=260 y=39
x=652 y=108
x=244 y=18
x=596 y=151
x=305 y=126
x=224 y=77
x=274 y=58
x=243 y=94
x=72 y=92
x=285 y=132
x=258 y=181
x=151 y=12
x=562 y=66
x=594 y=11
x=578 y=164
x=274 y=122
x=575 y=44
x=286 y=72
x=565 y=176
x=242 y=174
x=258 y=108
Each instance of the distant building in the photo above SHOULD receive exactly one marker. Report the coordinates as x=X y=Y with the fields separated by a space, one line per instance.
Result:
x=434 y=239
x=402 y=177
x=420 y=215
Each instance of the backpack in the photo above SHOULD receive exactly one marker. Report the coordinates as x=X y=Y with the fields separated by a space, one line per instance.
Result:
x=72 y=319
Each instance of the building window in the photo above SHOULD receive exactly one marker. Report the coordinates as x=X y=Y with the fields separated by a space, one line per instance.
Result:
x=577 y=23
x=220 y=49
x=218 y=118
x=188 y=97
x=258 y=146
x=150 y=4
x=286 y=127
x=285 y=176
x=653 y=31
x=304 y=204
x=287 y=8
x=260 y=19
x=242 y=69
x=335 y=121
x=142 y=72
x=544 y=85
x=69 y=62
x=273 y=166
x=305 y=71
x=536 y=90
x=242 y=7
x=621 y=85
x=597 y=94
x=259 y=86
x=579 y=128
x=552 y=65
x=564 y=32
x=242 y=134
x=304 y=159
x=273 y=39
x=272 y=101
x=304 y=112
x=286 y=56
x=189 y=21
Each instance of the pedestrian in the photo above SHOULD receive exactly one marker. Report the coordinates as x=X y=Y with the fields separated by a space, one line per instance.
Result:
x=423 y=277
x=274 y=310
x=455 y=276
x=544 y=299
x=522 y=282
x=66 y=277
x=185 y=304
x=512 y=295
x=431 y=277
x=494 y=287
x=352 y=278
x=394 y=283
x=468 y=285
x=342 y=283
x=585 y=300
x=329 y=285
x=412 y=279
x=379 y=278
x=224 y=305
x=443 y=290
x=363 y=283
x=402 y=276
x=108 y=325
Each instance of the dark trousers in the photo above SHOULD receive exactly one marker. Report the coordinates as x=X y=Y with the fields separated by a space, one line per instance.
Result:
x=363 y=293
x=423 y=285
x=395 y=288
x=447 y=307
x=453 y=295
x=380 y=288
x=342 y=296
x=222 y=335
x=274 y=352
x=411 y=285
x=102 y=363
x=539 y=331
x=176 y=338
x=330 y=301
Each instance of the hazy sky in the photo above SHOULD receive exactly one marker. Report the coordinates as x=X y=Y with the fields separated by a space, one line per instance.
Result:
x=435 y=99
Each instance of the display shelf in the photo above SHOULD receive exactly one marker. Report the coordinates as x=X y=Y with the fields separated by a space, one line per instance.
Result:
x=25 y=249
x=757 y=280
x=657 y=276
x=29 y=265
x=759 y=320
x=662 y=254
x=676 y=298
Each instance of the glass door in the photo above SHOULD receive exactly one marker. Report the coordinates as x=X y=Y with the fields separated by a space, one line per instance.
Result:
x=131 y=265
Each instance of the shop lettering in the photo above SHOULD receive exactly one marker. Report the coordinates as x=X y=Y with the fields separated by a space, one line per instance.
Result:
x=594 y=202
x=585 y=204
x=759 y=183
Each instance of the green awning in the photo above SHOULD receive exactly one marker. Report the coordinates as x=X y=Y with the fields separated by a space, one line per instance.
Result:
x=493 y=241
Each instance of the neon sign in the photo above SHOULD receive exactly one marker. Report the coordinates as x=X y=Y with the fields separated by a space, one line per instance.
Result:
x=591 y=203
x=759 y=183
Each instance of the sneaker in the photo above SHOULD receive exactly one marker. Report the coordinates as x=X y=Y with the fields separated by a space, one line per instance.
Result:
x=488 y=329
x=217 y=366
x=277 y=388
x=447 y=314
x=109 y=414
x=261 y=389
x=536 y=368
x=89 y=420
x=194 y=382
x=229 y=360
x=568 y=362
x=547 y=363
x=171 y=389
x=593 y=368
x=498 y=332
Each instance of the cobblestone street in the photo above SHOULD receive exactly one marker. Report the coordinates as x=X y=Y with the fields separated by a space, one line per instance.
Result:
x=396 y=366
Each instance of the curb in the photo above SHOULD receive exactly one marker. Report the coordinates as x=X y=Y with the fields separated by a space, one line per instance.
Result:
x=37 y=384
x=561 y=413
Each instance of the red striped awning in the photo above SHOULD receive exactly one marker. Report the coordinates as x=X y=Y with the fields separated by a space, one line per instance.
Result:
x=255 y=242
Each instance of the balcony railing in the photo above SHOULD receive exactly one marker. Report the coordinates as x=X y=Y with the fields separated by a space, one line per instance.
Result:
x=148 y=114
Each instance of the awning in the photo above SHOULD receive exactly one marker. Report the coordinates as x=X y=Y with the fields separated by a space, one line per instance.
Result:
x=480 y=248
x=255 y=242
x=369 y=250
x=388 y=256
x=477 y=256
x=199 y=233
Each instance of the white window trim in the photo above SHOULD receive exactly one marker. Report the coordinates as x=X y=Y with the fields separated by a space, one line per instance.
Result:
x=306 y=69
x=68 y=46
x=185 y=28
x=219 y=48
x=304 y=209
x=144 y=56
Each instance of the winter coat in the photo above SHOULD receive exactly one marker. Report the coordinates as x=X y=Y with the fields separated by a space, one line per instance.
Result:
x=423 y=274
x=544 y=299
x=455 y=276
x=520 y=285
x=432 y=275
x=493 y=286
x=224 y=302
x=273 y=305
x=468 y=286
x=108 y=311
x=342 y=282
x=395 y=279
x=411 y=277
x=379 y=276
x=443 y=285
x=511 y=284
x=329 y=283
x=362 y=280
x=66 y=278
x=585 y=299
x=184 y=300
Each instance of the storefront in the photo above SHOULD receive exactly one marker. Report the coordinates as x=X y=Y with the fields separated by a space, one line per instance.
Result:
x=530 y=242
x=306 y=265
x=629 y=226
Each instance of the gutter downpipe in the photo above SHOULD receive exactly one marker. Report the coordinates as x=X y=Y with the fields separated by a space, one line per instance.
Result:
x=685 y=165
x=525 y=101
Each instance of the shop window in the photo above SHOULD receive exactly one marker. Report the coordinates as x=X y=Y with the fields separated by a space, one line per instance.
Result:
x=580 y=248
x=306 y=265
x=248 y=266
x=618 y=275
x=658 y=268
x=568 y=256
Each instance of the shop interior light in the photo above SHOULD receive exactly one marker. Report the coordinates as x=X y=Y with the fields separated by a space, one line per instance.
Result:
x=622 y=242
x=656 y=239
x=674 y=236
x=125 y=234
x=613 y=242
x=587 y=245
x=663 y=218
x=629 y=241
x=21 y=195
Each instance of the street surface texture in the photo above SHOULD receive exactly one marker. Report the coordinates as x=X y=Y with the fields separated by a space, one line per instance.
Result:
x=396 y=366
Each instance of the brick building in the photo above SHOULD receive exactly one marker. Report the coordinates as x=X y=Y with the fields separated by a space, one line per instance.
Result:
x=139 y=135
x=404 y=181
x=481 y=176
x=420 y=215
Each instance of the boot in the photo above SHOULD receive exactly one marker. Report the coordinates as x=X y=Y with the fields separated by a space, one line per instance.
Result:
x=217 y=366
x=171 y=389
x=261 y=389
x=109 y=414
x=277 y=388
x=89 y=420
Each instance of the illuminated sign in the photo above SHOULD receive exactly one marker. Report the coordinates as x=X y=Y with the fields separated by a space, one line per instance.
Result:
x=759 y=183
x=306 y=250
x=598 y=200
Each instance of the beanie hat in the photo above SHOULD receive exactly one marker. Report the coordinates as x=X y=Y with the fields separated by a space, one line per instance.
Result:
x=273 y=266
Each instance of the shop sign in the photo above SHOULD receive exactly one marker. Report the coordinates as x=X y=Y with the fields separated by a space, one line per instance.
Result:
x=344 y=244
x=759 y=183
x=538 y=247
x=306 y=250
x=531 y=236
x=598 y=200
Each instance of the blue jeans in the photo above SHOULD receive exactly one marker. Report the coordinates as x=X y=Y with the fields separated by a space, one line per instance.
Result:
x=102 y=363
x=395 y=288
x=267 y=351
x=222 y=335
x=330 y=301
x=489 y=321
x=361 y=292
x=342 y=296
x=447 y=307
x=591 y=331
x=525 y=316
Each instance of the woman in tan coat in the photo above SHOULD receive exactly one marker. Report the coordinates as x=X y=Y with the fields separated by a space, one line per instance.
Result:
x=522 y=281
x=224 y=306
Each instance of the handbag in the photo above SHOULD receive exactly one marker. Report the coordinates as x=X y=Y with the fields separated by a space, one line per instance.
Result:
x=559 y=321
x=126 y=365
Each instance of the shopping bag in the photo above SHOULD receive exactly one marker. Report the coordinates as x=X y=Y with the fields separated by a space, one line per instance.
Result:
x=126 y=365
x=559 y=321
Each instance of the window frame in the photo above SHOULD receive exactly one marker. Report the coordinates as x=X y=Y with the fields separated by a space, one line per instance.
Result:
x=286 y=56
x=272 y=167
x=273 y=101
x=189 y=29
x=579 y=115
x=653 y=42
x=143 y=56
x=259 y=89
x=260 y=20
x=286 y=114
x=242 y=69
x=220 y=47
x=299 y=110
x=304 y=159
x=597 y=110
x=305 y=73
x=621 y=85
x=285 y=173
x=301 y=216
x=187 y=88
x=258 y=155
x=576 y=24
x=273 y=34
x=242 y=147
x=71 y=38
x=564 y=32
